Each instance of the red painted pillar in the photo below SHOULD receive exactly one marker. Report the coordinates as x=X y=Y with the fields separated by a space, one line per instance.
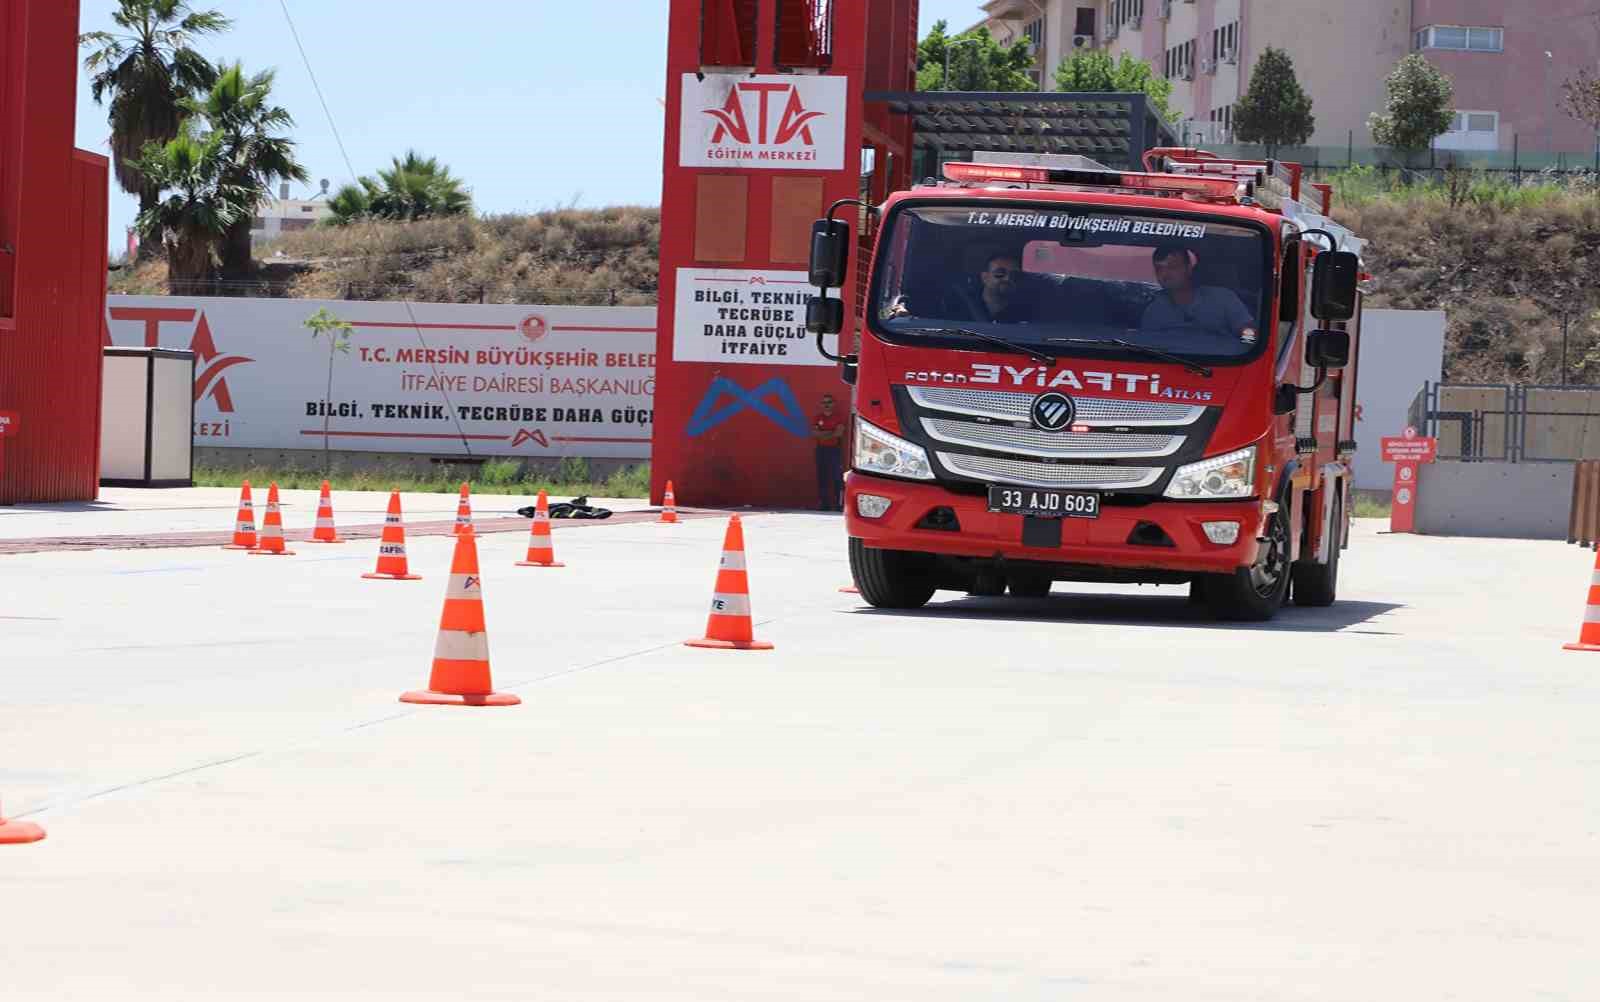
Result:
x=754 y=154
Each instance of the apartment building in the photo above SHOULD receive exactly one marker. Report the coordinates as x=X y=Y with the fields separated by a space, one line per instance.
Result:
x=1507 y=59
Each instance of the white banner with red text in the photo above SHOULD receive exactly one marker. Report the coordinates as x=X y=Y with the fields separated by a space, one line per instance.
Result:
x=516 y=381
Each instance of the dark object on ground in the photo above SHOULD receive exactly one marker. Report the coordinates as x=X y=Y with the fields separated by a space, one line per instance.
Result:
x=576 y=508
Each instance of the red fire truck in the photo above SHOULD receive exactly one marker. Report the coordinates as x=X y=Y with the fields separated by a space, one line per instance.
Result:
x=1065 y=372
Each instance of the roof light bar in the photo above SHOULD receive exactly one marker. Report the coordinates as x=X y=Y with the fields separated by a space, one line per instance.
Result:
x=1212 y=187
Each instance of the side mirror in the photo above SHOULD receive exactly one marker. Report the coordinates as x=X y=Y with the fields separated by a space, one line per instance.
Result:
x=1328 y=349
x=824 y=316
x=830 y=253
x=1334 y=278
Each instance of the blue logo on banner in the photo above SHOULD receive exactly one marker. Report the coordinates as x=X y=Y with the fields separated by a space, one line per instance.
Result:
x=725 y=398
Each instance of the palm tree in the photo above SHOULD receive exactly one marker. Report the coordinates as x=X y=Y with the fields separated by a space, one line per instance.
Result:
x=203 y=202
x=238 y=108
x=145 y=70
x=415 y=187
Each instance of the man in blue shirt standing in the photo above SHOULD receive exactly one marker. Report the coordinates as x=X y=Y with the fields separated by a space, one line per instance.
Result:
x=1181 y=304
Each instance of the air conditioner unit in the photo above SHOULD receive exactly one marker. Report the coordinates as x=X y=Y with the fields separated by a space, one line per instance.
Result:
x=1083 y=41
x=1208 y=66
x=1187 y=73
x=1110 y=31
x=1134 y=22
x=1231 y=57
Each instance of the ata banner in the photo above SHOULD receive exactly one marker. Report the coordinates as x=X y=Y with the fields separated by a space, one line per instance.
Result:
x=787 y=122
x=749 y=317
x=520 y=381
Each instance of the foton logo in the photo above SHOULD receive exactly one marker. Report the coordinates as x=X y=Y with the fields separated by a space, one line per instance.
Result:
x=775 y=122
x=733 y=124
x=210 y=363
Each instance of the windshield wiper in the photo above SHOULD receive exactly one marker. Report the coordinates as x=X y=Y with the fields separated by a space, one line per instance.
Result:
x=1144 y=349
x=1000 y=342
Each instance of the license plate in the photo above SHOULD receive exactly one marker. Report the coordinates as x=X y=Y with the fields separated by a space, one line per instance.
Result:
x=1044 y=504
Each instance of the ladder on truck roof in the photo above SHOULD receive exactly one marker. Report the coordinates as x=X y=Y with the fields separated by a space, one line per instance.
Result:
x=1275 y=184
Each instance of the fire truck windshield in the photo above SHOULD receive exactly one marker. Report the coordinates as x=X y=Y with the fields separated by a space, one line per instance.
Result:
x=1037 y=275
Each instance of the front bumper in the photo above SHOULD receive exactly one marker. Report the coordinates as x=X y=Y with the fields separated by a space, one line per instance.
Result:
x=1102 y=541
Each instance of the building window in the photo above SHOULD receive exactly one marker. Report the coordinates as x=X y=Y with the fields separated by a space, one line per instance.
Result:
x=1123 y=11
x=1224 y=42
x=1180 y=61
x=1476 y=121
x=1035 y=33
x=1085 y=21
x=805 y=34
x=1461 y=39
x=728 y=32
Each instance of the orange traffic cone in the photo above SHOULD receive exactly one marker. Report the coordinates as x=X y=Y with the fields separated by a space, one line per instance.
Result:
x=541 y=552
x=17 y=832
x=244 y=525
x=669 y=505
x=729 y=626
x=1589 y=632
x=461 y=654
x=464 y=510
x=325 y=532
x=271 y=543
x=392 y=564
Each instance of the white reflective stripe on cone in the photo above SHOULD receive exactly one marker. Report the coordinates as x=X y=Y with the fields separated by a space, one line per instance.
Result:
x=730 y=605
x=464 y=586
x=1596 y=579
x=733 y=560
x=457 y=645
x=1591 y=614
x=324 y=523
x=392 y=550
x=541 y=516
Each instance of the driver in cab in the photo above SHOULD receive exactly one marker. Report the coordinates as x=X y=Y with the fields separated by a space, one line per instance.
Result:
x=1183 y=305
x=997 y=297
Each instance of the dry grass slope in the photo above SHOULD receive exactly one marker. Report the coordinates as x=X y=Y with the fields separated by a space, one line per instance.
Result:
x=564 y=256
x=1503 y=263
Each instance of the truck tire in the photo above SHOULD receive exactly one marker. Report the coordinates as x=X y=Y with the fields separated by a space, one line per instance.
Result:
x=891 y=579
x=1255 y=593
x=1317 y=585
x=1029 y=584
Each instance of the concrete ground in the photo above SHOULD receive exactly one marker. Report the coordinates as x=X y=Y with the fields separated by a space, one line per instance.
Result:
x=1098 y=795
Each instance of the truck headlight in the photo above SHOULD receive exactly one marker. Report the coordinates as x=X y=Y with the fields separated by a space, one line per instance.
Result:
x=1232 y=475
x=879 y=452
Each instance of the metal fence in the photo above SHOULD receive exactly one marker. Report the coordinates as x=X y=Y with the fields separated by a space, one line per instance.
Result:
x=1509 y=422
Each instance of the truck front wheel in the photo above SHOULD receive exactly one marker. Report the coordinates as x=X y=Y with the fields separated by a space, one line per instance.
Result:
x=1254 y=593
x=891 y=579
x=1317 y=585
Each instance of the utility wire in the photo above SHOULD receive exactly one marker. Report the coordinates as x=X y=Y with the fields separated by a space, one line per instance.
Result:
x=351 y=168
x=318 y=88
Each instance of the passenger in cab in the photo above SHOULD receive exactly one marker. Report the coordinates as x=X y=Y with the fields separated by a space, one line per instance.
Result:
x=1181 y=304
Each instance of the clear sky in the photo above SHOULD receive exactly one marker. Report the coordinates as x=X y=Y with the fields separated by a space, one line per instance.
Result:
x=534 y=103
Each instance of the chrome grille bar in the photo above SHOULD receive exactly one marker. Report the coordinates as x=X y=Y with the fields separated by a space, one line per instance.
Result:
x=1101 y=412
x=1049 y=444
x=1016 y=471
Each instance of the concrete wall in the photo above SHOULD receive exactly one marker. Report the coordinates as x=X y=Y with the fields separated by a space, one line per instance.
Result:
x=1400 y=350
x=350 y=461
x=1507 y=500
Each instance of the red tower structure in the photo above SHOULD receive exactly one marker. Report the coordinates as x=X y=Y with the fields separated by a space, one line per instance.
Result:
x=53 y=202
x=767 y=126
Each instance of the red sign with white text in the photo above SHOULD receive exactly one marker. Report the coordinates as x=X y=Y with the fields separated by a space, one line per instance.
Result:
x=10 y=423
x=1408 y=452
